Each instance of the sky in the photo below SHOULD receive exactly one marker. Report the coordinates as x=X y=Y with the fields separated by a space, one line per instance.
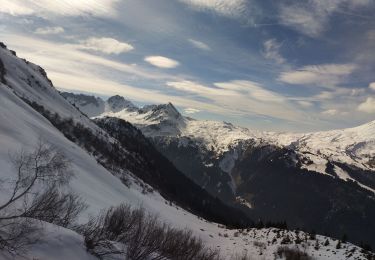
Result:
x=290 y=65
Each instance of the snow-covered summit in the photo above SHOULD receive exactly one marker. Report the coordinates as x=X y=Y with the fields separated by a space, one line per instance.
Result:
x=354 y=146
x=118 y=103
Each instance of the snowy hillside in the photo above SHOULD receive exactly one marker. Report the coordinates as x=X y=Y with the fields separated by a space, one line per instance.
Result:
x=268 y=243
x=354 y=146
x=21 y=127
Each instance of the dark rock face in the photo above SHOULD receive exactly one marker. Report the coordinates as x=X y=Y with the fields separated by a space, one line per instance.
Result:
x=202 y=168
x=2 y=72
x=306 y=199
x=83 y=99
x=118 y=103
x=2 y=68
x=155 y=169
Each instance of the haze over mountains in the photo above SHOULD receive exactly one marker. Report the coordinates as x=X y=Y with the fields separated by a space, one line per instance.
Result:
x=204 y=175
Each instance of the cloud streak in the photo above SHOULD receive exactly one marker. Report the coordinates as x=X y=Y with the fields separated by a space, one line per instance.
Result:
x=312 y=17
x=249 y=97
x=162 y=62
x=368 y=106
x=48 y=9
x=200 y=45
x=105 y=45
x=49 y=30
x=232 y=8
x=190 y=110
x=271 y=51
x=324 y=75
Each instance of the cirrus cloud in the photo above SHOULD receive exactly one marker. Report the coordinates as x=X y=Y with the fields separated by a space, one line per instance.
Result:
x=271 y=51
x=48 y=8
x=330 y=112
x=191 y=110
x=49 y=30
x=199 y=45
x=367 y=106
x=325 y=75
x=162 y=62
x=105 y=45
x=312 y=17
x=232 y=8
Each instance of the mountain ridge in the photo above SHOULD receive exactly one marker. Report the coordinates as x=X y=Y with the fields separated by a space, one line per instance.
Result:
x=353 y=138
x=239 y=165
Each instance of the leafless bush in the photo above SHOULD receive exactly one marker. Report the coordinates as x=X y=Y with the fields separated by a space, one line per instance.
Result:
x=56 y=207
x=243 y=256
x=284 y=252
x=142 y=236
x=35 y=194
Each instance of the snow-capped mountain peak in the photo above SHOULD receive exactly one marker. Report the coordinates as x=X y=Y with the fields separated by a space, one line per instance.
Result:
x=117 y=103
x=160 y=113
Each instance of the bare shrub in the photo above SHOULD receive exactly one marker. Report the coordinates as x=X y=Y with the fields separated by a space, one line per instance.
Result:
x=35 y=194
x=243 y=256
x=141 y=236
x=284 y=252
x=56 y=207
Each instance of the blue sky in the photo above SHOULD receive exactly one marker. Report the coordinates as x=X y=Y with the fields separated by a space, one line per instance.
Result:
x=299 y=65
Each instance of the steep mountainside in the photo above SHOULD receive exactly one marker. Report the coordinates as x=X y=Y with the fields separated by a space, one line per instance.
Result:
x=323 y=181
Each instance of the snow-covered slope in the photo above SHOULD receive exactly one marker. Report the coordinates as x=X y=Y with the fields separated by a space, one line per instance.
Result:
x=354 y=146
x=57 y=243
x=21 y=127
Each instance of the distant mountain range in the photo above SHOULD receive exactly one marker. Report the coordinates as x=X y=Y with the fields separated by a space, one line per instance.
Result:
x=323 y=181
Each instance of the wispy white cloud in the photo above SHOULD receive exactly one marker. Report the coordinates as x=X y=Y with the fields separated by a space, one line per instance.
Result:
x=49 y=30
x=304 y=103
x=372 y=86
x=235 y=88
x=241 y=96
x=14 y=8
x=368 y=106
x=325 y=75
x=194 y=87
x=105 y=45
x=190 y=110
x=47 y=8
x=271 y=50
x=70 y=58
x=312 y=17
x=162 y=62
x=330 y=112
x=231 y=8
x=199 y=45
x=253 y=89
